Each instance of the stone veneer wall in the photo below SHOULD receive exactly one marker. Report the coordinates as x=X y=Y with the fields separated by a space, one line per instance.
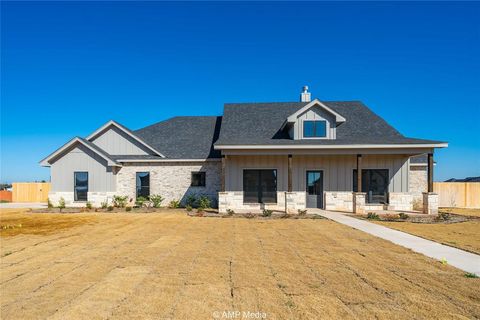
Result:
x=234 y=200
x=400 y=201
x=417 y=181
x=95 y=198
x=171 y=180
x=339 y=201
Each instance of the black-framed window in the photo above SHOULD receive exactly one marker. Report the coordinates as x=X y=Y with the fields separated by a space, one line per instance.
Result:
x=260 y=186
x=374 y=184
x=198 y=179
x=314 y=129
x=143 y=184
x=80 y=186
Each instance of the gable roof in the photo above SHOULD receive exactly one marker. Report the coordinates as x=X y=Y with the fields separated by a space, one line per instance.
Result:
x=100 y=130
x=259 y=124
x=315 y=103
x=110 y=160
x=189 y=137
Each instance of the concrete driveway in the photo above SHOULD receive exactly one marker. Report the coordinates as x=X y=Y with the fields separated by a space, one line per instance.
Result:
x=17 y=205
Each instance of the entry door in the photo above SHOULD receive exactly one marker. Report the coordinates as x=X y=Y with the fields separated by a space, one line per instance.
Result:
x=314 y=188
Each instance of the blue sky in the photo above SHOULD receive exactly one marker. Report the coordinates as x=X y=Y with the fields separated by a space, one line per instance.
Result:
x=67 y=68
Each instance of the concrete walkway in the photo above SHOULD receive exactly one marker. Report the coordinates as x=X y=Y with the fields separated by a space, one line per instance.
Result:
x=19 y=205
x=460 y=259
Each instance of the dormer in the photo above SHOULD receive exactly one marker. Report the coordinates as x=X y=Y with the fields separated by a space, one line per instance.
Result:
x=314 y=121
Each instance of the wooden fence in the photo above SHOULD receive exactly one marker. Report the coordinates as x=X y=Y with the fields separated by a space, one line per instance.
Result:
x=6 y=195
x=30 y=191
x=458 y=194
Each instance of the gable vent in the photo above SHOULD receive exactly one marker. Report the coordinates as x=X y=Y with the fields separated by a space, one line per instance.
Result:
x=305 y=96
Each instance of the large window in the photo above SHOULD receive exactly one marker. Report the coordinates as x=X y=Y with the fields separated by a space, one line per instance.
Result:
x=198 y=179
x=80 y=186
x=315 y=129
x=143 y=184
x=374 y=184
x=260 y=186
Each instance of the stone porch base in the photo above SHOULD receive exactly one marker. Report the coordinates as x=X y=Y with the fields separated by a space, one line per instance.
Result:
x=95 y=198
x=286 y=201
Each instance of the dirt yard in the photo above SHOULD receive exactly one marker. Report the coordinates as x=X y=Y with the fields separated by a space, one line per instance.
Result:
x=170 y=266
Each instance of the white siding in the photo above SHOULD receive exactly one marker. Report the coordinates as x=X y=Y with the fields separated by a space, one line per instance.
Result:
x=100 y=176
x=337 y=170
x=315 y=113
x=116 y=142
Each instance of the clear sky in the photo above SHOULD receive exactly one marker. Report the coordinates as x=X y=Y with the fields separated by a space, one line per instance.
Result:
x=67 y=68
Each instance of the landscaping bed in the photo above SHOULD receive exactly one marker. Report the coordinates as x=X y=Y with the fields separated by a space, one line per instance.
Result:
x=251 y=215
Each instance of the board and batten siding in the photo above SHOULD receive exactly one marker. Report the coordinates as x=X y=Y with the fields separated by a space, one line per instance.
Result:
x=116 y=142
x=100 y=176
x=337 y=170
x=315 y=113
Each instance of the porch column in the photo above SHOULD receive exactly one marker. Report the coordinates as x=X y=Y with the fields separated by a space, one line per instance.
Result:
x=224 y=161
x=430 y=172
x=290 y=173
x=359 y=173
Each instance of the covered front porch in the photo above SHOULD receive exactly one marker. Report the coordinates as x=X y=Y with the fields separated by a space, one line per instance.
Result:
x=349 y=182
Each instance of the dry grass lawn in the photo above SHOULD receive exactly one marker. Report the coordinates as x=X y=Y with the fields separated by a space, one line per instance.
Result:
x=170 y=266
x=462 y=211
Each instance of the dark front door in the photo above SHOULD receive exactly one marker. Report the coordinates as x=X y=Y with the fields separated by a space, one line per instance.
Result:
x=314 y=189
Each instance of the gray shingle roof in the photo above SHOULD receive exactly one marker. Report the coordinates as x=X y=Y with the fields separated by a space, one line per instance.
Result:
x=183 y=137
x=260 y=123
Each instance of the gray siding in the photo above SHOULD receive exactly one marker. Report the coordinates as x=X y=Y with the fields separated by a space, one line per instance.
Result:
x=337 y=170
x=116 y=142
x=315 y=113
x=100 y=176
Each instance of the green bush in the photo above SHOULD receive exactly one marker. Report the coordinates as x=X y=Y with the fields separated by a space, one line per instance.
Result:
x=267 y=213
x=403 y=216
x=156 y=200
x=110 y=208
x=230 y=212
x=140 y=201
x=128 y=209
x=471 y=275
x=104 y=205
x=174 y=204
x=204 y=202
x=302 y=212
x=373 y=216
x=119 y=201
x=49 y=203
x=443 y=216
x=61 y=203
x=191 y=200
x=88 y=205
x=188 y=208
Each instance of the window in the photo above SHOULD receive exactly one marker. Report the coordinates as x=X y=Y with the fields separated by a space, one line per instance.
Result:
x=260 y=186
x=315 y=129
x=143 y=184
x=374 y=184
x=80 y=186
x=198 y=179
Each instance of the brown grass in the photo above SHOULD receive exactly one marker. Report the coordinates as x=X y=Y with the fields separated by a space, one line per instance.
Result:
x=462 y=211
x=170 y=266
x=462 y=235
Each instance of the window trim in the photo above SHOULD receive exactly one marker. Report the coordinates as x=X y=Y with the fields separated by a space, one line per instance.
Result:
x=203 y=178
x=314 y=129
x=137 y=187
x=259 y=169
x=75 y=186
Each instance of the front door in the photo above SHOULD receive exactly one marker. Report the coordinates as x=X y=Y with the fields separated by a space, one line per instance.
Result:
x=314 y=188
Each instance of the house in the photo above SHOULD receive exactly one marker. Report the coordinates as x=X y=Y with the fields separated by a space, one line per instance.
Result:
x=335 y=155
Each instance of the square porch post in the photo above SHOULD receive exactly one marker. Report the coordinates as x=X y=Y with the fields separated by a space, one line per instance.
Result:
x=430 y=172
x=359 y=173
x=289 y=173
x=224 y=162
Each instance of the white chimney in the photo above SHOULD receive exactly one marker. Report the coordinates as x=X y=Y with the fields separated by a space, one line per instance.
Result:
x=305 y=95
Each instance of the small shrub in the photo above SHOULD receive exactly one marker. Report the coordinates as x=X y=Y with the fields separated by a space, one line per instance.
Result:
x=390 y=217
x=403 y=216
x=204 y=202
x=302 y=212
x=104 y=205
x=140 y=201
x=471 y=275
x=445 y=216
x=417 y=205
x=188 y=208
x=249 y=215
x=61 y=203
x=373 y=216
x=200 y=210
x=230 y=212
x=191 y=200
x=267 y=213
x=444 y=261
x=49 y=203
x=174 y=204
x=128 y=209
x=110 y=208
x=88 y=205
x=119 y=201
x=156 y=200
